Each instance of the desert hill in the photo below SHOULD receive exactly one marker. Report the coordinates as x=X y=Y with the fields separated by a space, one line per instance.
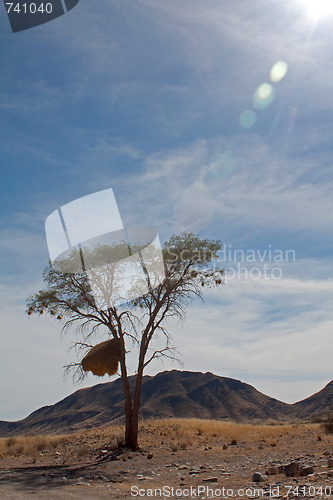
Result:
x=173 y=393
x=320 y=403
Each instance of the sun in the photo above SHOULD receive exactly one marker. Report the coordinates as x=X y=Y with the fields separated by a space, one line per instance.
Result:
x=318 y=8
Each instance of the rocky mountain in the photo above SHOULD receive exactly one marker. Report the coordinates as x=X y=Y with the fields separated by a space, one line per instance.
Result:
x=169 y=394
x=320 y=403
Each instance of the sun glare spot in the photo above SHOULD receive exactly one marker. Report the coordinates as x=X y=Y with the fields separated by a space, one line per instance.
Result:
x=318 y=8
x=278 y=71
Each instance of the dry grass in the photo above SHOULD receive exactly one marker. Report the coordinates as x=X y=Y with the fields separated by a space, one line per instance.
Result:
x=214 y=428
x=27 y=445
x=196 y=433
x=173 y=435
x=66 y=447
x=327 y=423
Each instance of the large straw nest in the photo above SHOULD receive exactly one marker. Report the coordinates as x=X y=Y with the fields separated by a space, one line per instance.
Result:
x=103 y=358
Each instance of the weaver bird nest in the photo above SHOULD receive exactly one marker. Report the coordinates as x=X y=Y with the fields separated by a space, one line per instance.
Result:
x=103 y=358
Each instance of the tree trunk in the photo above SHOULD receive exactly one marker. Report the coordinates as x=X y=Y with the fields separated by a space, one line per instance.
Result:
x=132 y=407
x=132 y=404
x=128 y=406
x=135 y=411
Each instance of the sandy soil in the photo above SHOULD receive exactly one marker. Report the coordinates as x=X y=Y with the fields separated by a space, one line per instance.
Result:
x=210 y=467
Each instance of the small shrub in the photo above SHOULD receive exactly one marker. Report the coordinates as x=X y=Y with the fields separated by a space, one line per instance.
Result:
x=183 y=445
x=14 y=450
x=33 y=453
x=116 y=445
x=328 y=423
x=9 y=442
x=41 y=443
x=82 y=451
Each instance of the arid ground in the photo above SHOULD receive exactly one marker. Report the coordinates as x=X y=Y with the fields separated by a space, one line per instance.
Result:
x=179 y=458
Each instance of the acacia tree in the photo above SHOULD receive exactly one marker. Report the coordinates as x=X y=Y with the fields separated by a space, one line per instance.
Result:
x=67 y=297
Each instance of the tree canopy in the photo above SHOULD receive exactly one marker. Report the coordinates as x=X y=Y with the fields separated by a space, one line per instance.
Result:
x=189 y=267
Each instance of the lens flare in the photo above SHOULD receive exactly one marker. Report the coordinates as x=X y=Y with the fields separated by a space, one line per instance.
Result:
x=278 y=71
x=221 y=166
x=248 y=118
x=263 y=96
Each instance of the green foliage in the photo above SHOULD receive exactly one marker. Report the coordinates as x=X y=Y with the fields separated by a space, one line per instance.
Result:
x=64 y=294
x=188 y=248
x=189 y=261
x=188 y=265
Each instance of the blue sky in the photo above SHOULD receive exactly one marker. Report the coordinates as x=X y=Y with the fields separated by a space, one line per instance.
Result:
x=146 y=97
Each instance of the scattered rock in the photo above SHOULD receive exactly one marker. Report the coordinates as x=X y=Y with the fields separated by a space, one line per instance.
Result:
x=330 y=462
x=225 y=446
x=210 y=479
x=150 y=456
x=306 y=471
x=292 y=469
x=103 y=478
x=257 y=478
x=272 y=471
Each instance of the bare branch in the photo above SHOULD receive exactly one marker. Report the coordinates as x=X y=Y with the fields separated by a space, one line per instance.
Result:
x=78 y=374
x=68 y=297
x=81 y=345
x=163 y=353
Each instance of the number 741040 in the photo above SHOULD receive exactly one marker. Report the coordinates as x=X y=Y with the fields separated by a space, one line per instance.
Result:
x=31 y=8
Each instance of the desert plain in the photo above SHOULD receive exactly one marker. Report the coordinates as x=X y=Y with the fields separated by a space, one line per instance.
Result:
x=178 y=458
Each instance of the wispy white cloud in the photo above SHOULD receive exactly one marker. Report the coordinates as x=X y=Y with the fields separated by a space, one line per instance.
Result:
x=33 y=353
x=146 y=98
x=230 y=185
x=271 y=331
